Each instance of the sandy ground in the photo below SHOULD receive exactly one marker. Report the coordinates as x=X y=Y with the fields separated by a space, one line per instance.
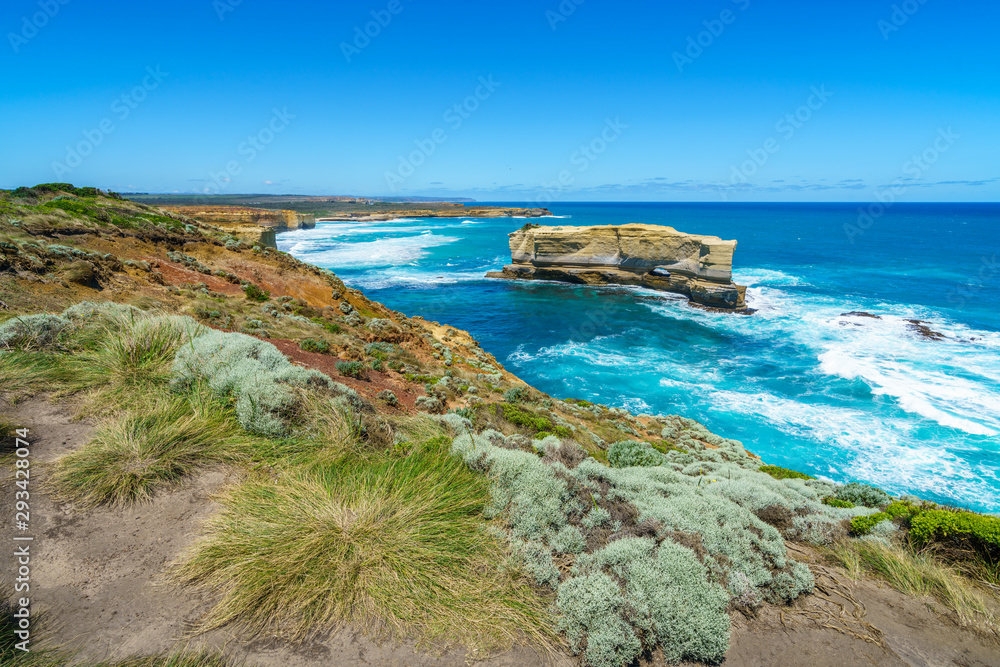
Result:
x=97 y=575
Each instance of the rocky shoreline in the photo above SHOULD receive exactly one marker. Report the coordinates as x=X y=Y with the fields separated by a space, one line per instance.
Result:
x=652 y=256
x=455 y=211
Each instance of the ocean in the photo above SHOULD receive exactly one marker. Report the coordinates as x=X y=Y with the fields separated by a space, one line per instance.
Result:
x=841 y=397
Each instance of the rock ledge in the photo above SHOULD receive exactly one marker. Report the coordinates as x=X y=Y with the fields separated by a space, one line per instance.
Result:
x=652 y=256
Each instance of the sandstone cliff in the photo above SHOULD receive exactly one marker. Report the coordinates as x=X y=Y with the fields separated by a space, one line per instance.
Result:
x=254 y=225
x=653 y=256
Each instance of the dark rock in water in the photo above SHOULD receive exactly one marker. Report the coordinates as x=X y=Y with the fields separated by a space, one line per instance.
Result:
x=715 y=309
x=860 y=313
x=920 y=326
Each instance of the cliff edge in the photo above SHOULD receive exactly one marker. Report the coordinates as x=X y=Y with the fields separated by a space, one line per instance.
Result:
x=652 y=256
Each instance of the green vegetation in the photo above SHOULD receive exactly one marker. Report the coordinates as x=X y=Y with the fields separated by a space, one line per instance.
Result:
x=396 y=543
x=784 y=473
x=28 y=332
x=523 y=418
x=982 y=532
x=515 y=395
x=837 y=502
x=54 y=188
x=623 y=595
x=628 y=453
x=353 y=369
x=255 y=293
x=863 y=494
x=314 y=345
x=864 y=524
x=329 y=327
x=136 y=454
x=251 y=372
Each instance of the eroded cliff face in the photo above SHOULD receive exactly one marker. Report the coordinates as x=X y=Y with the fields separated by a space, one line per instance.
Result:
x=654 y=256
x=254 y=225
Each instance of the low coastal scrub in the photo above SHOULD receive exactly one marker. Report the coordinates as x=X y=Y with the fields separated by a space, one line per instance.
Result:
x=641 y=539
x=253 y=373
x=863 y=494
x=629 y=453
x=352 y=369
x=314 y=345
x=254 y=293
x=784 y=473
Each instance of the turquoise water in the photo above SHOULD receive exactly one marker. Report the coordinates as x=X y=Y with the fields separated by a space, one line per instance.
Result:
x=845 y=398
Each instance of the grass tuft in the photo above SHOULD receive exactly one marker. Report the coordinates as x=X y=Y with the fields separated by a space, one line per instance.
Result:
x=135 y=454
x=397 y=545
x=919 y=573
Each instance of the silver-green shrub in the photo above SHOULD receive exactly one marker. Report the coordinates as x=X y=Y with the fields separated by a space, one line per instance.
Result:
x=37 y=332
x=252 y=372
x=629 y=453
x=591 y=609
x=107 y=313
x=863 y=494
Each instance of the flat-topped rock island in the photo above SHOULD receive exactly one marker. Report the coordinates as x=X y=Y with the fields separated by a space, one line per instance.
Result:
x=653 y=256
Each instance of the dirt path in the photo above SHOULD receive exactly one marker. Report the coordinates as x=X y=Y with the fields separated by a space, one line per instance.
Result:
x=97 y=574
x=98 y=577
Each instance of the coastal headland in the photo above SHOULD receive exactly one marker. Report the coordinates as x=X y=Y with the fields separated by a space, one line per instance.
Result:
x=232 y=447
x=258 y=224
x=653 y=256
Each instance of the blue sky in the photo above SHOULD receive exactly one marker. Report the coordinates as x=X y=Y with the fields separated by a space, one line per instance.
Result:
x=739 y=100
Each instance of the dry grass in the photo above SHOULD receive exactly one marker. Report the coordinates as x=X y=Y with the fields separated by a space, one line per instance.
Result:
x=919 y=573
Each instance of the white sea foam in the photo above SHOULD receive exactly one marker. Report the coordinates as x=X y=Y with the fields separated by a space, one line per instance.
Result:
x=769 y=277
x=413 y=278
x=382 y=252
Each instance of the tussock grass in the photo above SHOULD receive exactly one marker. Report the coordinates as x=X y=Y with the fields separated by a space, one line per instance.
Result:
x=27 y=373
x=395 y=545
x=136 y=453
x=128 y=361
x=919 y=573
x=179 y=658
x=116 y=360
